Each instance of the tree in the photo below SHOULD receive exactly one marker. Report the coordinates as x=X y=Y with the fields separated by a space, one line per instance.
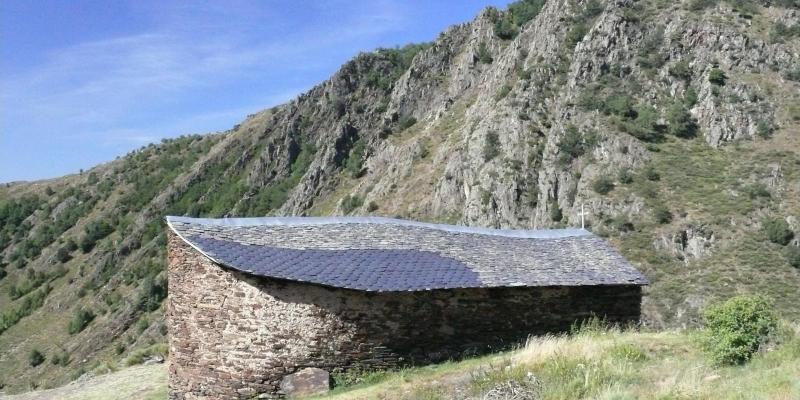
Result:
x=777 y=231
x=35 y=357
x=681 y=123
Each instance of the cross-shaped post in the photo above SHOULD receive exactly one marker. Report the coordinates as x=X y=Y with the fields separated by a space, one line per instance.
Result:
x=583 y=224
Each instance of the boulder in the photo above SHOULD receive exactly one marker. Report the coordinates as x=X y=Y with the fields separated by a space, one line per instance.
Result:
x=305 y=382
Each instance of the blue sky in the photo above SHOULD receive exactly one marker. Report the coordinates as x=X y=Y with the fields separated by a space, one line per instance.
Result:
x=82 y=82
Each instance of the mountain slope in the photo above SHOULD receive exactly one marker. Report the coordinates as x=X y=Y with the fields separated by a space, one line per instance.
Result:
x=675 y=126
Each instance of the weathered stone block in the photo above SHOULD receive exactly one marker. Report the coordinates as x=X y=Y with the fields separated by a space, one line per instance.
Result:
x=305 y=382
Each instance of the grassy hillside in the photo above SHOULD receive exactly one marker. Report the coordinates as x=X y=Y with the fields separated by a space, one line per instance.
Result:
x=674 y=125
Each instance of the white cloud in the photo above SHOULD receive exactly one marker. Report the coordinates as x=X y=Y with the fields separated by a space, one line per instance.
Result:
x=99 y=85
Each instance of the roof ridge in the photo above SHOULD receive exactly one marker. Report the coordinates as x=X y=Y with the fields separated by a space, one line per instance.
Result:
x=298 y=221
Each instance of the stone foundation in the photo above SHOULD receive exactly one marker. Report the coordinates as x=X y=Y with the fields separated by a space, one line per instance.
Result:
x=234 y=336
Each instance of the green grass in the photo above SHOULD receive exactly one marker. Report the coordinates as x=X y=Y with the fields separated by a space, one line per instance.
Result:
x=600 y=364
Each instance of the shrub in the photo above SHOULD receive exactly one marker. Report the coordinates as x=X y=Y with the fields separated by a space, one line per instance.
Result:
x=699 y=5
x=555 y=212
x=576 y=34
x=491 y=147
x=151 y=293
x=63 y=255
x=406 y=122
x=504 y=28
x=95 y=231
x=793 y=74
x=574 y=144
x=350 y=203
x=523 y=11
x=792 y=254
x=502 y=93
x=139 y=356
x=736 y=328
x=651 y=174
x=717 y=77
x=620 y=104
x=681 y=70
x=777 y=231
x=80 y=320
x=690 y=97
x=357 y=375
x=372 y=206
x=662 y=215
x=60 y=359
x=757 y=190
x=680 y=121
x=355 y=159
x=625 y=176
x=603 y=185
x=484 y=55
x=764 y=129
x=35 y=357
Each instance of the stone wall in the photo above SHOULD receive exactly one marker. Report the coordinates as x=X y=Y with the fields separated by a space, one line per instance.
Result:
x=236 y=336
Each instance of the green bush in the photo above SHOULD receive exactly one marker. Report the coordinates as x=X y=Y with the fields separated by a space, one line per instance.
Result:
x=139 y=356
x=80 y=320
x=717 y=77
x=60 y=359
x=502 y=92
x=736 y=328
x=355 y=159
x=576 y=34
x=690 y=97
x=504 y=28
x=681 y=70
x=523 y=11
x=625 y=176
x=603 y=185
x=699 y=5
x=350 y=203
x=792 y=254
x=662 y=215
x=777 y=231
x=651 y=174
x=372 y=206
x=555 y=212
x=35 y=357
x=793 y=74
x=491 y=147
x=680 y=121
x=406 y=122
x=484 y=55
x=574 y=144
x=151 y=293
x=764 y=129
x=95 y=231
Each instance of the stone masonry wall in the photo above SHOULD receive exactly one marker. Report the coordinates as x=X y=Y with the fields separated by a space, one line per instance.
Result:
x=236 y=336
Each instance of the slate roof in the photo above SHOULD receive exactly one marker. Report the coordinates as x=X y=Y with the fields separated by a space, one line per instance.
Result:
x=385 y=254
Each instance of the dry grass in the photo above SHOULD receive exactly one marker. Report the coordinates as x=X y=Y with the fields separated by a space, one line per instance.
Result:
x=600 y=364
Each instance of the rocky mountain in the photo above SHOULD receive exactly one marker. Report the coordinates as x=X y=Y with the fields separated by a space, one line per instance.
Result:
x=674 y=126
